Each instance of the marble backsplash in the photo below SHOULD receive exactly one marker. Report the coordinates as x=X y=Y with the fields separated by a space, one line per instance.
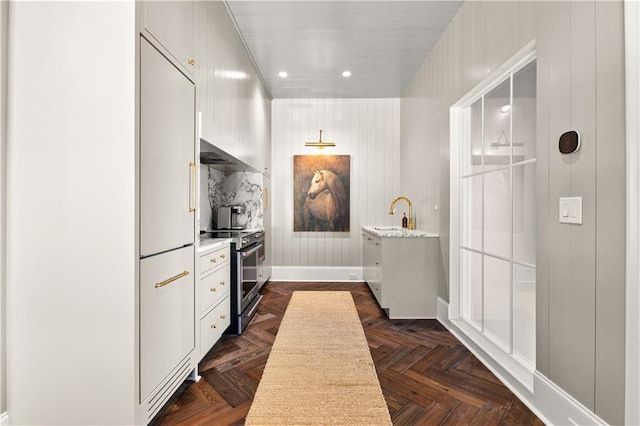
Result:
x=237 y=188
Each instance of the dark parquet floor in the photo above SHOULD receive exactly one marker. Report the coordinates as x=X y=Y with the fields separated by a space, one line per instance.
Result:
x=427 y=376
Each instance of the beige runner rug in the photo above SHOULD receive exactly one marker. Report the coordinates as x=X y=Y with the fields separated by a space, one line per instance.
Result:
x=320 y=370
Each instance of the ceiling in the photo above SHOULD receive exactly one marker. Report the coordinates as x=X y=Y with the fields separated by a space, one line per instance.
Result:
x=382 y=43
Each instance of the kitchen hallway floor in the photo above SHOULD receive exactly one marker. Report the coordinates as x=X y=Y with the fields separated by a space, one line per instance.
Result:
x=427 y=376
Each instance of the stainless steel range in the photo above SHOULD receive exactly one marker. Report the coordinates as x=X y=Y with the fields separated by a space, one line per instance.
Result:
x=247 y=255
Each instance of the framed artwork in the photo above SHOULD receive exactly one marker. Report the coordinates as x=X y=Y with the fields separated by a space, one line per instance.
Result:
x=321 y=199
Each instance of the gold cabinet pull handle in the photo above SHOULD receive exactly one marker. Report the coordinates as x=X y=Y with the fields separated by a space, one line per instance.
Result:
x=223 y=316
x=192 y=193
x=213 y=326
x=265 y=194
x=213 y=289
x=172 y=279
x=214 y=260
x=222 y=283
x=191 y=62
x=223 y=256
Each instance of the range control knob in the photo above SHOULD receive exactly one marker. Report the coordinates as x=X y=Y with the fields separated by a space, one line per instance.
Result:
x=244 y=241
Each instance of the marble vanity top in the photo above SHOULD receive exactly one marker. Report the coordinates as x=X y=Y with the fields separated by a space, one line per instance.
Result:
x=397 y=232
x=208 y=243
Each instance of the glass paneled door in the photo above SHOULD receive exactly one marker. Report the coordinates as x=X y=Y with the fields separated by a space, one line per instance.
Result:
x=498 y=213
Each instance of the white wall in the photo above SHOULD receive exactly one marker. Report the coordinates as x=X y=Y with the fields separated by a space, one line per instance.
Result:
x=71 y=246
x=366 y=129
x=580 y=292
x=632 y=331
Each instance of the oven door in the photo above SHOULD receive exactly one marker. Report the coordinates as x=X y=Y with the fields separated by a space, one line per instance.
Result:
x=247 y=275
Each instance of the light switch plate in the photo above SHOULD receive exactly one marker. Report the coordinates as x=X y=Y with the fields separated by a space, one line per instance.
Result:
x=570 y=210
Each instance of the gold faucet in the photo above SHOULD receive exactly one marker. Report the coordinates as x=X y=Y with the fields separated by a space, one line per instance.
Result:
x=393 y=208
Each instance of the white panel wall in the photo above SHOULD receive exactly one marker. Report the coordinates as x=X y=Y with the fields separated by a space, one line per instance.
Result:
x=632 y=332
x=366 y=129
x=580 y=278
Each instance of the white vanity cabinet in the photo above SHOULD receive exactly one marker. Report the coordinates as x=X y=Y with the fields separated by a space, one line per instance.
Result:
x=403 y=272
x=372 y=269
x=172 y=24
x=213 y=301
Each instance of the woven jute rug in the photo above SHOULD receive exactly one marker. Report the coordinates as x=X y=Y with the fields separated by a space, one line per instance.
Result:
x=320 y=371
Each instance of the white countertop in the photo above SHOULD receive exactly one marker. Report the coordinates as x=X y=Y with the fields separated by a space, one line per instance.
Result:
x=397 y=232
x=209 y=243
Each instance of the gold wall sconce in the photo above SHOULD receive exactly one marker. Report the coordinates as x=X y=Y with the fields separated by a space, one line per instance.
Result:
x=320 y=144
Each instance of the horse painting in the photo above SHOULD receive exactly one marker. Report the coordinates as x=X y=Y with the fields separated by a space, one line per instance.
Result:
x=326 y=206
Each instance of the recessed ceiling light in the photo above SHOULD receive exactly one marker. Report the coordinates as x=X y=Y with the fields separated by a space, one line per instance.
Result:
x=505 y=108
x=283 y=74
x=346 y=73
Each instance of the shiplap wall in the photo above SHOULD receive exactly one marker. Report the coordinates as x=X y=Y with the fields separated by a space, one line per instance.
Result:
x=580 y=276
x=366 y=129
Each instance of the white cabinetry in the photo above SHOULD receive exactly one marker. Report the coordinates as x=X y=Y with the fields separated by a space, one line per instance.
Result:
x=167 y=228
x=265 y=270
x=167 y=331
x=92 y=302
x=167 y=152
x=234 y=105
x=172 y=24
x=372 y=271
x=262 y=127
x=403 y=274
x=214 y=306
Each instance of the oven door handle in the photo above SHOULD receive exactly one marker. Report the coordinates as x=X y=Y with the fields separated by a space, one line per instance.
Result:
x=250 y=252
x=254 y=307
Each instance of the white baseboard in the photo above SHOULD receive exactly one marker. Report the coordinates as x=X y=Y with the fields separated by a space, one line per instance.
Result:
x=316 y=273
x=4 y=419
x=443 y=313
x=548 y=401
x=559 y=407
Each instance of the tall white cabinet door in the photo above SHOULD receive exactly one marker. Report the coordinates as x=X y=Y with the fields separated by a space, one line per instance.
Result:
x=172 y=24
x=167 y=154
x=167 y=312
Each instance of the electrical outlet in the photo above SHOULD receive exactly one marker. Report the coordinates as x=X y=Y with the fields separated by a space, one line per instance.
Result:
x=353 y=276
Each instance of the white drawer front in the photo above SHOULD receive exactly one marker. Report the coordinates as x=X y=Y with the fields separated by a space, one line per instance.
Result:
x=213 y=325
x=213 y=287
x=214 y=259
x=167 y=332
